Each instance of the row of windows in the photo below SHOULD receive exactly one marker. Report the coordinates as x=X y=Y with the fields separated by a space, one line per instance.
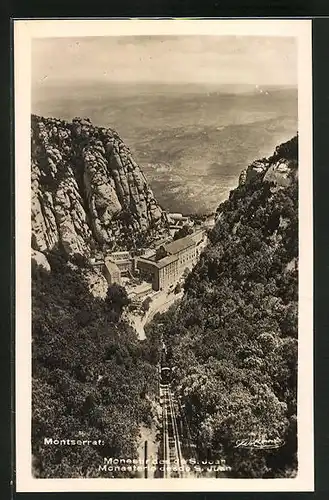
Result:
x=169 y=270
x=186 y=258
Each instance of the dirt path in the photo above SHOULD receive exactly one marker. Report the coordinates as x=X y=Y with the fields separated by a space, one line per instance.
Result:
x=160 y=303
x=148 y=435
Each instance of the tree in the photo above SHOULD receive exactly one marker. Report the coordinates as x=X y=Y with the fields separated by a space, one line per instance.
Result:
x=116 y=300
x=183 y=231
x=90 y=379
x=146 y=304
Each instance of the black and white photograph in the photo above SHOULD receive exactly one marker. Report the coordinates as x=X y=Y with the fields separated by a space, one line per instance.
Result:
x=164 y=266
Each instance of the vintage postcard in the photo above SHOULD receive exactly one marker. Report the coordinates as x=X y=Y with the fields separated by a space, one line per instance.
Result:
x=164 y=330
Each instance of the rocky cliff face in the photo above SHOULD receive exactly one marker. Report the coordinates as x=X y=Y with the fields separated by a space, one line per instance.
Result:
x=87 y=190
x=279 y=169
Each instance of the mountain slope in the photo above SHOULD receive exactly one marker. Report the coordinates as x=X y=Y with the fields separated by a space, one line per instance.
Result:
x=92 y=379
x=87 y=191
x=233 y=338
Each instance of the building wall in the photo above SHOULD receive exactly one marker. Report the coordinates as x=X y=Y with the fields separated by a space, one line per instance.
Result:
x=168 y=274
x=112 y=275
x=125 y=265
x=124 y=255
x=149 y=271
x=163 y=277
x=123 y=260
x=187 y=258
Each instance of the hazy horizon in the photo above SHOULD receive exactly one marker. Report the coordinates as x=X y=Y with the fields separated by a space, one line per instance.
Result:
x=191 y=146
x=194 y=59
x=193 y=110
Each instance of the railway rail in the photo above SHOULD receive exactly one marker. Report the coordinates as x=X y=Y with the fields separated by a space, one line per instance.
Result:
x=171 y=446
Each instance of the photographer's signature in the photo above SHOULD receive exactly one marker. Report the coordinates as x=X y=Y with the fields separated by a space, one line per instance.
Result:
x=260 y=443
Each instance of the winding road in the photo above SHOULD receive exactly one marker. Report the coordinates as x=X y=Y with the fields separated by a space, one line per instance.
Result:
x=160 y=303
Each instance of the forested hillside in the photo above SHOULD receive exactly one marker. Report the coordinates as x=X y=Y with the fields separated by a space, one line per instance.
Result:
x=232 y=341
x=91 y=376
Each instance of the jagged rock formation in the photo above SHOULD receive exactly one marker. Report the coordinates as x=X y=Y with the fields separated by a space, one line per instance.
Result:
x=279 y=169
x=87 y=191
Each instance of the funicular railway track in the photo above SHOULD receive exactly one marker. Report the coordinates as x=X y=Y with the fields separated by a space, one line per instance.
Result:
x=171 y=447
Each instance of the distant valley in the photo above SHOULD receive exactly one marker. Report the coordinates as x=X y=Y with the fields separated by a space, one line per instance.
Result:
x=192 y=142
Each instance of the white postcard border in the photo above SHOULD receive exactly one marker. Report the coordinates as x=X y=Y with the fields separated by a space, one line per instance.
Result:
x=24 y=31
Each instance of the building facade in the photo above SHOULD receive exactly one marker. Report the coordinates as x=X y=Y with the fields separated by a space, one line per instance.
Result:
x=111 y=272
x=169 y=262
x=161 y=274
x=184 y=249
x=124 y=261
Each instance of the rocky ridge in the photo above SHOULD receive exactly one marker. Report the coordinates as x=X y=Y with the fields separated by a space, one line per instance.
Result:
x=279 y=169
x=87 y=191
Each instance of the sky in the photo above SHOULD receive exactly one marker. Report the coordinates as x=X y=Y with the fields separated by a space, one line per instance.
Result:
x=164 y=59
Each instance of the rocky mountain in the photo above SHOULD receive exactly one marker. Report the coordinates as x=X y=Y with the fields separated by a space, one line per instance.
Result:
x=87 y=190
x=280 y=169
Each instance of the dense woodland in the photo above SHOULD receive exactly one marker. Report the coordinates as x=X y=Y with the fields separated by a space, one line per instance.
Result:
x=92 y=378
x=232 y=341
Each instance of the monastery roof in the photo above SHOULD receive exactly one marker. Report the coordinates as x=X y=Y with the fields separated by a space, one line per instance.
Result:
x=166 y=261
x=179 y=245
x=160 y=263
